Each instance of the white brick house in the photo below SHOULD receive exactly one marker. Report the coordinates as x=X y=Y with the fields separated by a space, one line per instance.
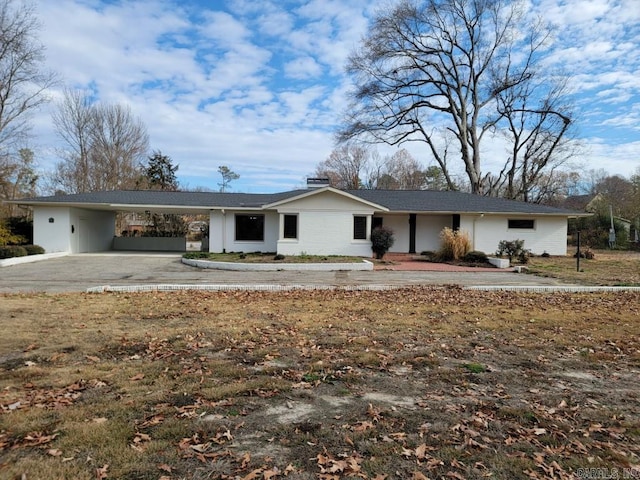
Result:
x=321 y=220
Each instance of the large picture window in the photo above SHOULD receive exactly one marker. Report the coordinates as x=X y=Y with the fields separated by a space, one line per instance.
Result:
x=290 y=226
x=249 y=228
x=522 y=224
x=359 y=227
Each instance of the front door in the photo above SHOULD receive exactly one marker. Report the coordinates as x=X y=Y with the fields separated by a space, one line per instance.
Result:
x=412 y=232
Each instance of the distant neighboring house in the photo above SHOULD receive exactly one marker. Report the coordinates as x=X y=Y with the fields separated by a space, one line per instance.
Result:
x=595 y=203
x=584 y=203
x=133 y=223
x=317 y=220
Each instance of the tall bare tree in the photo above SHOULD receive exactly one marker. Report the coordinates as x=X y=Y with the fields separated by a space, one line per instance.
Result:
x=345 y=166
x=405 y=171
x=119 y=143
x=23 y=78
x=73 y=122
x=537 y=121
x=104 y=145
x=429 y=70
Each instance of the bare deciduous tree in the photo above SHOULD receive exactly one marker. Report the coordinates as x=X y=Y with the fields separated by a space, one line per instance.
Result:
x=406 y=172
x=18 y=179
x=73 y=121
x=23 y=80
x=105 y=145
x=353 y=166
x=119 y=143
x=345 y=166
x=539 y=140
x=463 y=68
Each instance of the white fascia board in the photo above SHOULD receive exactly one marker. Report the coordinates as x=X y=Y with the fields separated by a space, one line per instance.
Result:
x=129 y=206
x=504 y=214
x=317 y=191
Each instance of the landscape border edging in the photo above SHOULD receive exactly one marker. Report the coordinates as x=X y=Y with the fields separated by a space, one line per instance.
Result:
x=275 y=267
x=7 y=262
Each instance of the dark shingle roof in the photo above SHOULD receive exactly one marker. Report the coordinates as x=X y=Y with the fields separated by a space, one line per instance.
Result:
x=166 y=199
x=394 y=200
x=454 y=202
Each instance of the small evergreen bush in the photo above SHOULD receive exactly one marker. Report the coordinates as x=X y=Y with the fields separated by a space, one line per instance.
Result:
x=513 y=249
x=34 y=249
x=381 y=241
x=475 y=256
x=455 y=244
x=12 y=251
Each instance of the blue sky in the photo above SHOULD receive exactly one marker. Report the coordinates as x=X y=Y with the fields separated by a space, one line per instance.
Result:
x=259 y=85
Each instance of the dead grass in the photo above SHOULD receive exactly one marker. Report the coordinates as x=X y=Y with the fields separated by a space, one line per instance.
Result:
x=607 y=268
x=415 y=383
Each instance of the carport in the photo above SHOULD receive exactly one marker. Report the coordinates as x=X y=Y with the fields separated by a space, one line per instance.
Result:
x=87 y=222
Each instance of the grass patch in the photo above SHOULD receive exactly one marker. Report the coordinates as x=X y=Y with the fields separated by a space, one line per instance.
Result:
x=474 y=367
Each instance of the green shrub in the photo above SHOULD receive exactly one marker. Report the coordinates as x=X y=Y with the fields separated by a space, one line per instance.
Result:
x=381 y=241
x=594 y=231
x=11 y=251
x=476 y=257
x=513 y=249
x=279 y=256
x=455 y=244
x=34 y=249
x=21 y=227
x=195 y=255
x=7 y=237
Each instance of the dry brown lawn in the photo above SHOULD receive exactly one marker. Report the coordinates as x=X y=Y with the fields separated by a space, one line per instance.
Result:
x=606 y=268
x=407 y=384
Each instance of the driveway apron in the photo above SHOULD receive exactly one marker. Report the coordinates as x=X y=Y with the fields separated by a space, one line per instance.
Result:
x=77 y=273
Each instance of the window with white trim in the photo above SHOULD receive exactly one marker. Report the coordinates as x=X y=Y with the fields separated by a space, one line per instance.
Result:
x=290 y=227
x=359 y=227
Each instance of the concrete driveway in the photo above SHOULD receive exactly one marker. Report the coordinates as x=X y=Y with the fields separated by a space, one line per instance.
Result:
x=77 y=273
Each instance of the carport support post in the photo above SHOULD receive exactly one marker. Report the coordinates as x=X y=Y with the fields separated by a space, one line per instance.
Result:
x=578 y=254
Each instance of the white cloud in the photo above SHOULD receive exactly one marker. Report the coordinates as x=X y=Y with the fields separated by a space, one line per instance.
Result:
x=259 y=85
x=302 y=68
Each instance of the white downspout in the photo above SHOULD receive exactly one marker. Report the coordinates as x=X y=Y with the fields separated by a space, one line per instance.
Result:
x=224 y=231
x=474 y=230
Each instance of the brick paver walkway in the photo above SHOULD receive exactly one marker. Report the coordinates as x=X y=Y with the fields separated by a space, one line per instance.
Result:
x=412 y=263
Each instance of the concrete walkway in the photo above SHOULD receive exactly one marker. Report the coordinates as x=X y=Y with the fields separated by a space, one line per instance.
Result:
x=78 y=273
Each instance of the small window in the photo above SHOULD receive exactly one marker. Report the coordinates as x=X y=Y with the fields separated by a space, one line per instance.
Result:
x=249 y=228
x=522 y=224
x=290 y=226
x=359 y=227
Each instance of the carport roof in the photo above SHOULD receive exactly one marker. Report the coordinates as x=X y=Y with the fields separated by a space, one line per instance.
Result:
x=160 y=198
x=393 y=200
